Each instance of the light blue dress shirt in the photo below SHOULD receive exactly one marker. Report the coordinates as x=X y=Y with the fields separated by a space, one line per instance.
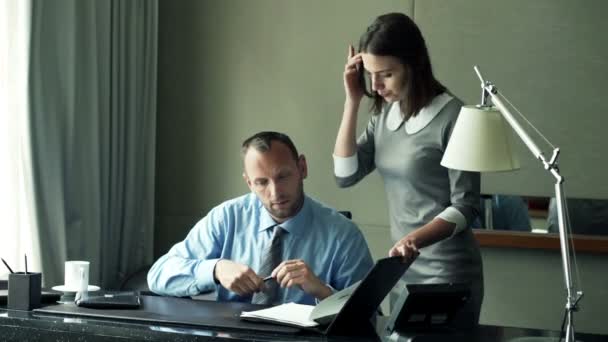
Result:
x=239 y=229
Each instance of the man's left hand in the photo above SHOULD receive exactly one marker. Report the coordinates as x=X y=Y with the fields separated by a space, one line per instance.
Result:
x=296 y=272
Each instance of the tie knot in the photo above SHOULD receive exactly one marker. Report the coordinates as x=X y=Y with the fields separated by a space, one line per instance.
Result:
x=278 y=231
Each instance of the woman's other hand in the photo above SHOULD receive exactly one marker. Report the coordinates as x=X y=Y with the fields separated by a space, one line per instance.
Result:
x=406 y=248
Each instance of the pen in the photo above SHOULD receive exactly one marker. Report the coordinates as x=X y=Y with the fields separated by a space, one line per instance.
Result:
x=25 y=255
x=267 y=278
x=7 y=266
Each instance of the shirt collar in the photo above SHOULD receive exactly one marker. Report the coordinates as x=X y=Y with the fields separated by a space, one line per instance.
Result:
x=415 y=124
x=294 y=225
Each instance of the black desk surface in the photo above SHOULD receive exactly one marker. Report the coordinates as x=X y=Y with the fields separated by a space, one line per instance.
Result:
x=45 y=326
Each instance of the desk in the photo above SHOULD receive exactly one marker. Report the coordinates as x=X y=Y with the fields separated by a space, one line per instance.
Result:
x=38 y=326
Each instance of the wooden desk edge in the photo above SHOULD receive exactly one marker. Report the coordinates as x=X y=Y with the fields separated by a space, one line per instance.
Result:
x=506 y=239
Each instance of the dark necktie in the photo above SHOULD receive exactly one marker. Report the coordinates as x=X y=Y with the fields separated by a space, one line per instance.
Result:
x=271 y=258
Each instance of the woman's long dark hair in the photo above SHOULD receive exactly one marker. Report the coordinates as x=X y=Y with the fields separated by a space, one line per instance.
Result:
x=396 y=35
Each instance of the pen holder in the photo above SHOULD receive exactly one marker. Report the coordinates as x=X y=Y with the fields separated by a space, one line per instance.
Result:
x=24 y=290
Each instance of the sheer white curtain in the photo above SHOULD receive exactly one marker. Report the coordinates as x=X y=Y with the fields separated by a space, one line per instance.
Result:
x=18 y=233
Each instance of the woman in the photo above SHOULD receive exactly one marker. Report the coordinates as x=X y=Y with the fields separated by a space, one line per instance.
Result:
x=430 y=207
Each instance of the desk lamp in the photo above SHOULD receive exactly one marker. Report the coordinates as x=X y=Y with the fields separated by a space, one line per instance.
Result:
x=481 y=142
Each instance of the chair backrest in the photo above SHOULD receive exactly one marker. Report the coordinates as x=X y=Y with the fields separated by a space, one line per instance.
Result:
x=137 y=280
x=348 y=214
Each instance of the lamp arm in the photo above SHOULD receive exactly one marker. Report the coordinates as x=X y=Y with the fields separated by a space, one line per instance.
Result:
x=565 y=247
x=491 y=89
x=572 y=296
x=551 y=166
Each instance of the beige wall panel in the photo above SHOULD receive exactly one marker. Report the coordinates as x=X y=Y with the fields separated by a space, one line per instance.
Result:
x=550 y=58
x=228 y=69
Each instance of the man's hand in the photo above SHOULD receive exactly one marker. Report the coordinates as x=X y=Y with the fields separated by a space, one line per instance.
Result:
x=295 y=272
x=237 y=277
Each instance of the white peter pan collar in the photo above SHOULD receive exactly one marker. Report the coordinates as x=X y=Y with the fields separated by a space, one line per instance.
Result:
x=416 y=123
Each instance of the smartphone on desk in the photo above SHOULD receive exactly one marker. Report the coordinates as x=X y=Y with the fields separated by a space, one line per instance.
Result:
x=109 y=299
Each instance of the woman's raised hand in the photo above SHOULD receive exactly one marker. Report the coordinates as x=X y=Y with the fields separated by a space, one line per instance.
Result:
x=352 y=68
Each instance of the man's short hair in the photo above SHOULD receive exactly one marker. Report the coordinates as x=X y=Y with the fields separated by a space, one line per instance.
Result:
x=261 y=142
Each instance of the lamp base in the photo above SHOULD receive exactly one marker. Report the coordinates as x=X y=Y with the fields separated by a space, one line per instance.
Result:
x=539 y=339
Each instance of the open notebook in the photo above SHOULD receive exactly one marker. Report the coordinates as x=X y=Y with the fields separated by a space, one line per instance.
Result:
x=346 y=312
x=293 y=314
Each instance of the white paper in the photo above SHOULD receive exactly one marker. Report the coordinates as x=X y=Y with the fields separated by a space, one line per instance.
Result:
x=290 y=313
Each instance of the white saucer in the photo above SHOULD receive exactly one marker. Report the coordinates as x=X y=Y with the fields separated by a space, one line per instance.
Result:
x=62 y=288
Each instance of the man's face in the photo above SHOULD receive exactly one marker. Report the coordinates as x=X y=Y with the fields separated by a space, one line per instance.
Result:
x=277 y=179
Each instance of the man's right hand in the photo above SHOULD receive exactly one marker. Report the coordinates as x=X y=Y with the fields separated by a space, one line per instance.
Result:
x=237 y=278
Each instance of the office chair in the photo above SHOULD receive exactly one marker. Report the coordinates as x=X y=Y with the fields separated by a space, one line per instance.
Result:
x=137 y=281
x=348 y=214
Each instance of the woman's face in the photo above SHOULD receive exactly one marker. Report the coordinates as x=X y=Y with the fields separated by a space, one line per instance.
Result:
x=386 y=74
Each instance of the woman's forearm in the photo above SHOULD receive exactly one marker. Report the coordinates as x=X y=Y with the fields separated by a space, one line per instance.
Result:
x=432 y=232
x=346 y=141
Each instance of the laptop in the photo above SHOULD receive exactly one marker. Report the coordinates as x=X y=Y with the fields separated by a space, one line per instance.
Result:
x=349 y=311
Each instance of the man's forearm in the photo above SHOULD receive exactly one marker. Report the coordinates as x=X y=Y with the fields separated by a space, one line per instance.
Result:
x=176 y=276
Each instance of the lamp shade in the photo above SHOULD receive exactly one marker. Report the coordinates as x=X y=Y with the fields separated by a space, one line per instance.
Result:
x=481 y=141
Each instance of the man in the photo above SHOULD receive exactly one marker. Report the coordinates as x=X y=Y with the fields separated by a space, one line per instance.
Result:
x=228 y=250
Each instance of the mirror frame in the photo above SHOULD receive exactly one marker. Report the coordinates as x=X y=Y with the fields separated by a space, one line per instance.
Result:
x=507 y=239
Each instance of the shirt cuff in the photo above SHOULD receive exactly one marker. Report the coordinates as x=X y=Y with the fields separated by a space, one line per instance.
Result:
x=454 y=216
x=204 y=275
x=345 y=166
x=317 y=301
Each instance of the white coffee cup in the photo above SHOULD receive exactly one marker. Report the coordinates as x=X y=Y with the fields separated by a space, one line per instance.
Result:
x=76 y=275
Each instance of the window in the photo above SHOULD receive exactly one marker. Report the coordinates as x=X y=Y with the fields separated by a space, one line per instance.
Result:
x=17 y=219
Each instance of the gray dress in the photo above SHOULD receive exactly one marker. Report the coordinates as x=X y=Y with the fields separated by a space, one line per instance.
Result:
x=418 y=189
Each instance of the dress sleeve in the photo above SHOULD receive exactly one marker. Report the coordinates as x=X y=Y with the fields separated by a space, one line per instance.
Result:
x=464 y=188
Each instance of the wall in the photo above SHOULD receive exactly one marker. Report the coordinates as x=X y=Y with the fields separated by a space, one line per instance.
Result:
x=525 y=288
x=549 y=58
x=230 y=68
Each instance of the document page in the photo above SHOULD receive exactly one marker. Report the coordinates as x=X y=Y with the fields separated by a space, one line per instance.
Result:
x=290 y=314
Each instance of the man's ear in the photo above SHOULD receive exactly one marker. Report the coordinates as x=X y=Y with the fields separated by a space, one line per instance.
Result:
x=247 y=181
x=302 y=166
